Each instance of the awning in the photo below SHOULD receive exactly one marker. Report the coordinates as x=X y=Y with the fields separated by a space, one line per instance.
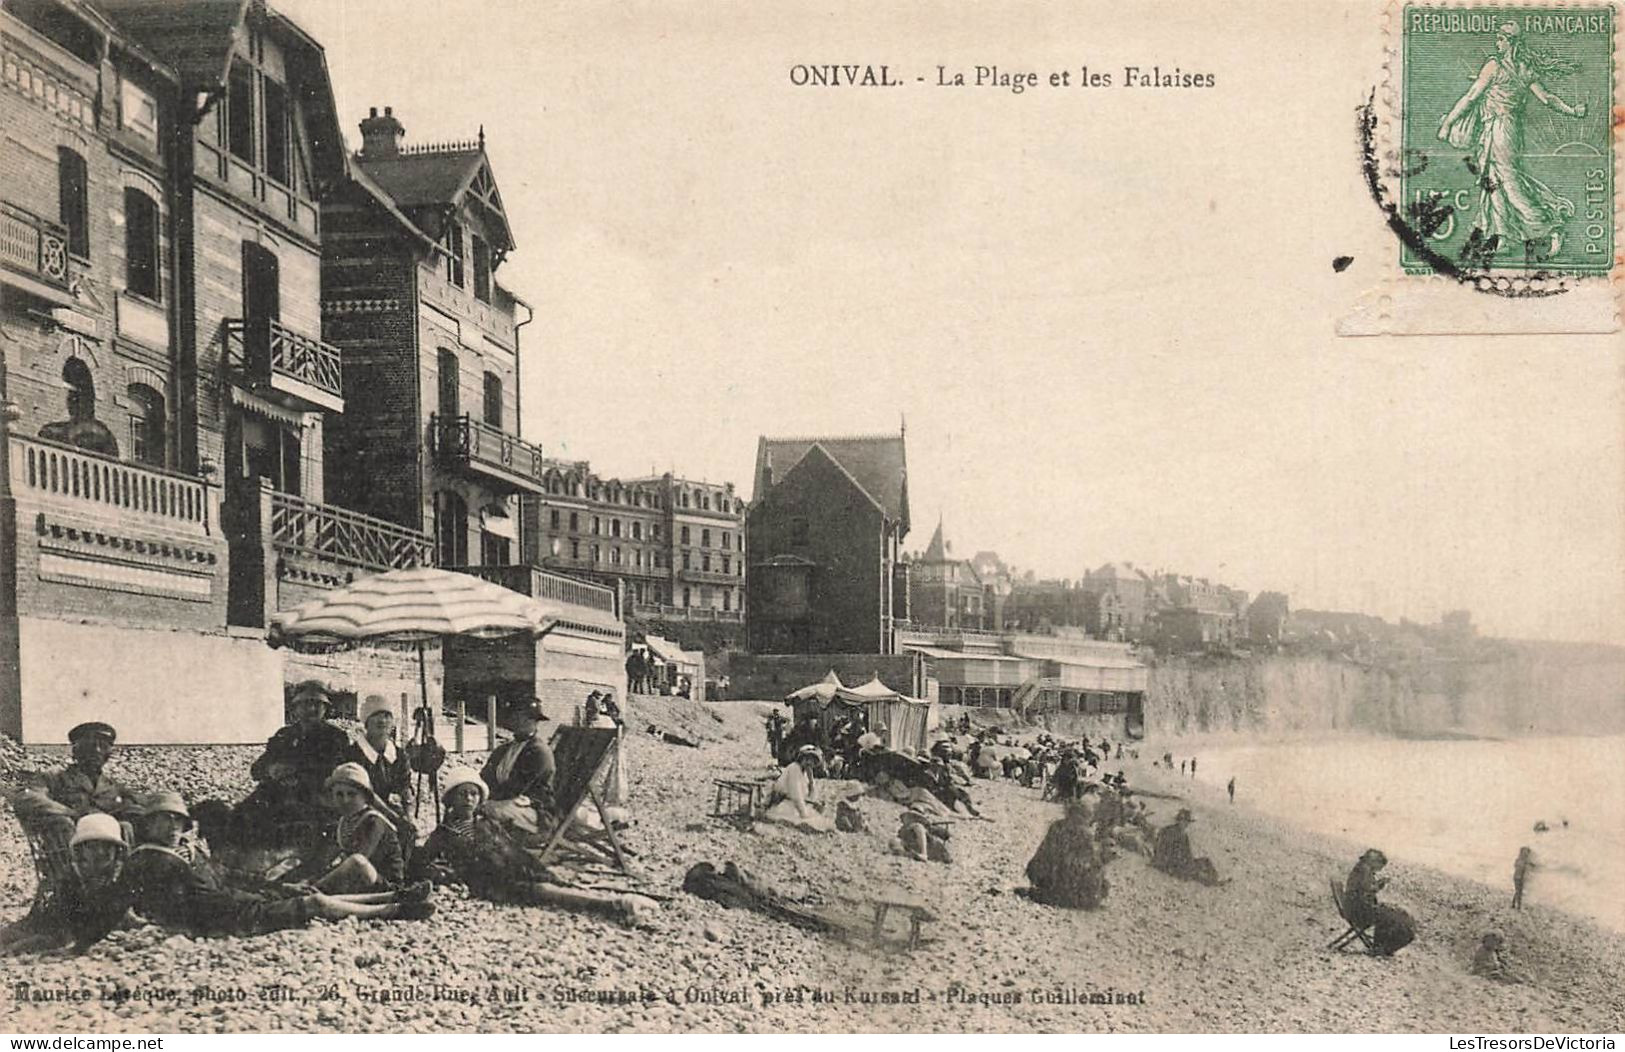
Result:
x=669 y=652
x=266 y=408
x=495 y=520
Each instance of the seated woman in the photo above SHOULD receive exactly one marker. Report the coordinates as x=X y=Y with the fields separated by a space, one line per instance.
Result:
x=386 y=765
x=173 y=891
x=87 y=904
x=365 y=851
x=519 y=776
x=1394 y=928
x=791 y=800
x=1173 y=855
x=1068 y=869
x=473 y=849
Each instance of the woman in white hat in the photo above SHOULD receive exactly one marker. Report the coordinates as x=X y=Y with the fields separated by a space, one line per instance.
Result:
x=87 y=902
x=386 y=764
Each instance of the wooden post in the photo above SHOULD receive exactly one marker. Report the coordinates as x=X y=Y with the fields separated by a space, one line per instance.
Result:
x=490 y=721
x=462 y=718
x=406 y=716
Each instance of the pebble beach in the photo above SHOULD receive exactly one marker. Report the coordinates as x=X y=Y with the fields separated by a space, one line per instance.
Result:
x=1160 y=956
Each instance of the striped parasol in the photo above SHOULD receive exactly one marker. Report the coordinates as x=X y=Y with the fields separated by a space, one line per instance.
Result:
x=415 y=605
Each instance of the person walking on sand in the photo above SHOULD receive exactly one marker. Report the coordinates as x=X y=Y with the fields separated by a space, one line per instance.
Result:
x=1193 y=767
x=1520 y=873
x=1231 y=789
x=1182 y=768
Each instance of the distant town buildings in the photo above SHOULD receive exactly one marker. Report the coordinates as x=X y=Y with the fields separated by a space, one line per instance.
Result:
x=824 y=538
x=1124 y=600
x=947 y=592
x=673 y=548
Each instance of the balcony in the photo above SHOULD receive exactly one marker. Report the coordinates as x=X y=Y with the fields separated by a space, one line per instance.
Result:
x=335 y=535
x=666 y=612
x=488 y=452
x=35 y=250
x=113 y=491
x=290 y=368
x=711 y=577
x=540 y=584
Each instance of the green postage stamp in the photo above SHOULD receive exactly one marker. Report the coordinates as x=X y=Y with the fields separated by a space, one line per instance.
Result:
x=1507 y=154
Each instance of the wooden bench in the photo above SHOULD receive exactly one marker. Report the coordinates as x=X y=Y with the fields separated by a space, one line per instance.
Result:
x=738 y=797
x=917 y=909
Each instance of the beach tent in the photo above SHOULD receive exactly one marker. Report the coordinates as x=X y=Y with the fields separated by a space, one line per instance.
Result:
x=679 y=662
x=906 y=718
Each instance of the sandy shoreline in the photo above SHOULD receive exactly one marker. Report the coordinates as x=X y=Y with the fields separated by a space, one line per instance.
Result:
x=1245 y=957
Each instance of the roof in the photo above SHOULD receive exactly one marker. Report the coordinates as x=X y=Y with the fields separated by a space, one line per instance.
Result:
x=428 y=176
x=937 y=550
x=1120 y=569
x=670 y=652
x=877 y=463
x=194 y=37
x=944 y=654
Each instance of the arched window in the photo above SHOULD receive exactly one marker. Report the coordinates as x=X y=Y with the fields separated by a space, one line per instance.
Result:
x=141 y=267
x=81 y=428
x=147 y=426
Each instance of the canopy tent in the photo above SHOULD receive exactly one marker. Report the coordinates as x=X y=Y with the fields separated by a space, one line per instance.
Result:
x=829 y=701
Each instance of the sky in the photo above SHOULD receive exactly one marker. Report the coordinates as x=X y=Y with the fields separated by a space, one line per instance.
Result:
x=1107 y=316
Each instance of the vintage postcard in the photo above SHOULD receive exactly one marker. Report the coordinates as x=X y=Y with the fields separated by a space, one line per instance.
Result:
x=1028 y=517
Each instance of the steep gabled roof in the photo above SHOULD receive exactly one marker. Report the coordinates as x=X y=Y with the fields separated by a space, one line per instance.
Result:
x=937 y=550
x=192 y=37
x=877 y=463
x=443 y=176
x=196 y=39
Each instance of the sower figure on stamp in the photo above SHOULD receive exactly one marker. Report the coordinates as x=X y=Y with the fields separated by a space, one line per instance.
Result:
x=1514 y=208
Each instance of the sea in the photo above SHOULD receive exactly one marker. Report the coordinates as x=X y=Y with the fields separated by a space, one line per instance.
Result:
x=1464 y=806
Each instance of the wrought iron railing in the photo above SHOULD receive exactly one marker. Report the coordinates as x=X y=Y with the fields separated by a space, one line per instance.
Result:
x=335 y=534
x=36 y=247
x=686 y=613
x=540 y=584
x=48 y=469
x=462 y=438
x=273 y=348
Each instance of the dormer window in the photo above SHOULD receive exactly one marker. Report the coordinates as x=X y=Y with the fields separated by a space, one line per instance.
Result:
x=276 y=133
x=138 y=111
x=240 y=112
x=482 y=267
x=453 y=243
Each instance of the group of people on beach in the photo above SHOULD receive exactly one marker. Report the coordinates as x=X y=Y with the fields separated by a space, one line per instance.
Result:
x=326 y=832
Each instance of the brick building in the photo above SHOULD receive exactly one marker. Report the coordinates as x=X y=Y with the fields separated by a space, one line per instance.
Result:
x=674 y=548
x=824 y=538
x=945 y=592
x=1194 y=613
x=1123 y=599
x=1038 y=604
x=162 y=317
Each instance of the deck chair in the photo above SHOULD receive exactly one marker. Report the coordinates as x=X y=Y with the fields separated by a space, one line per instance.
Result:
x=52 y=858
x=584 y=758
x=1353 y=931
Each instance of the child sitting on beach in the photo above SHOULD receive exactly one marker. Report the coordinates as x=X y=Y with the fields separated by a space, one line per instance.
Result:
x=369 y=856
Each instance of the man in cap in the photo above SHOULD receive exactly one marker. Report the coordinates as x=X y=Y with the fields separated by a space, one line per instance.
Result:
x=520 y=773
x=1172 y=852
x=81 y=788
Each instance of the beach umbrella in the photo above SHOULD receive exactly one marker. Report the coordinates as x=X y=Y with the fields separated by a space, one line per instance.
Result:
x=414 y=605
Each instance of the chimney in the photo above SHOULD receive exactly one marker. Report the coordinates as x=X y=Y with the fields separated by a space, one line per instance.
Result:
x=381 y=136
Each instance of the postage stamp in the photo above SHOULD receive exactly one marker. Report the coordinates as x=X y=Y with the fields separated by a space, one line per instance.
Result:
x=1506 y=160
